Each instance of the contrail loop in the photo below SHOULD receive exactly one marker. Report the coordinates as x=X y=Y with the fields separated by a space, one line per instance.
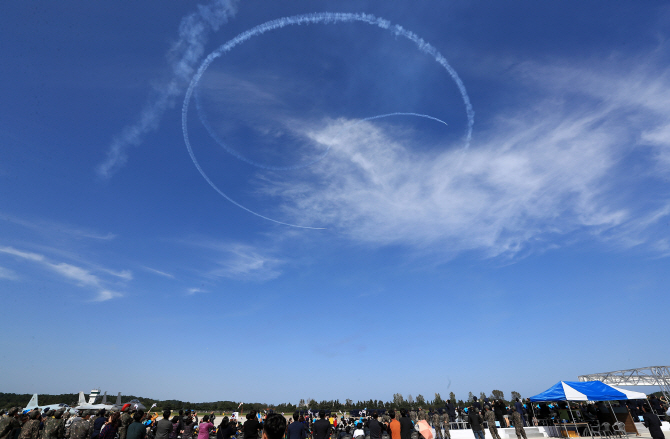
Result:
x=315 y=18
x=239 y=156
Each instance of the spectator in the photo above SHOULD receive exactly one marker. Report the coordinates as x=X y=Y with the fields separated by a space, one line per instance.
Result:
x=652 y=422
x=137 y=430
x=359 y=432
x=164 y=426
x=226 y=430
x=111 y=427
x=394 y=426
x=518 y=406
x=274 y=426
x=204 y=428
x=251 y=427
x=100 y=420
x=476 y=422
x=374 y=426
x=321 y=428
x=295 y=430
x=406 y=425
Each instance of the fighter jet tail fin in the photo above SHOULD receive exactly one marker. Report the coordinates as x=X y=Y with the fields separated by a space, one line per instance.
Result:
x=33 y=402
x=118 y=399
x=104 y=398
x=82 y=398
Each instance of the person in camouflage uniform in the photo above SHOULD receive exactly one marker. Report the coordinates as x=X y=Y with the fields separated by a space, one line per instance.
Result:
x=9 y=423
x=81 y=428
x=412 y=415
x=421 y=416
x=386 y=419
x=125 y=422
x=31 y=429
x=490 y=418
x=518 y=425
x=54 y=428
x=445 y=424
x=437 y=426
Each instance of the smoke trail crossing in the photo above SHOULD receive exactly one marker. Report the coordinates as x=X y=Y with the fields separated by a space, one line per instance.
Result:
x=183 y=57
x=316 y=18
x=236 y=154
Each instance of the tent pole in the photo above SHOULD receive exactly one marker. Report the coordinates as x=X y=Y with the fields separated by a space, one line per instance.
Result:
x=572 y=416
x=612 y=410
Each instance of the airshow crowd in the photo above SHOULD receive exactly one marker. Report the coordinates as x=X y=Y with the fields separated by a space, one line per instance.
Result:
x=376 y=424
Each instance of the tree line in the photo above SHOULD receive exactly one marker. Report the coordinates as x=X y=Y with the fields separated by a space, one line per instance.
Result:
x=8 y=400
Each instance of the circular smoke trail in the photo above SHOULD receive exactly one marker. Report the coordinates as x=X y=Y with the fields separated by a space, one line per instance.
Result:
x=316 y=18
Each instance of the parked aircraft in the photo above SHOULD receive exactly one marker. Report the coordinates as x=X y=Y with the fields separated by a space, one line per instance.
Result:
x=33 y=404
x=91 y=405
x=118 y=406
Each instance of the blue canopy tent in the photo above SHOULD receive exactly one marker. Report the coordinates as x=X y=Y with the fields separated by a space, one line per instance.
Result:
x=584 y=391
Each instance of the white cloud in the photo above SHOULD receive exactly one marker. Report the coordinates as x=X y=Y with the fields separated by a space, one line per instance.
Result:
x=57 y=229
x=161 y=273
x=105 y=295
x=545 y=171
x=123 y=274
x=81 y=276
x=21 y=254
x=192 y=291
x=6 y=273
x=245 y=262
x=239 y=261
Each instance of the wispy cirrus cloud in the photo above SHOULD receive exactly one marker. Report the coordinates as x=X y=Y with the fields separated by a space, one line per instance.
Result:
x=587 y=158
x=192 y=291
x=160 y=273
x=245 y=262
x=6 y=273
x=238 y=261
x=52 y=228
x=81 y=276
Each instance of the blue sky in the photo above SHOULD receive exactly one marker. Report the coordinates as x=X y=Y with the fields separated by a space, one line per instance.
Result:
x=410 y=260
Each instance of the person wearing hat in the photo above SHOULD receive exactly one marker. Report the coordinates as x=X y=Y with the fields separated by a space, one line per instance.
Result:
x=490 y=418
x=9 y=423
x=81 y=428
x=31 y=429
x=54 y=427
x=125 y=421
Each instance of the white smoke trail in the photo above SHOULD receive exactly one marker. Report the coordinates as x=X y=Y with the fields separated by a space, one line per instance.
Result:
x=236 y=154
x=404 y=114
x=315 y=18
x=183 y=56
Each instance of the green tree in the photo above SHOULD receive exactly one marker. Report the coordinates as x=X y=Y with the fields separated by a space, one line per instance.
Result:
x=410 y=399
x=398 y=399
x=515 y=395
x=498 y=394
x=452 y=397
x=471 y=397
x=482 y=395
x=420 y=400
x=438 y=400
